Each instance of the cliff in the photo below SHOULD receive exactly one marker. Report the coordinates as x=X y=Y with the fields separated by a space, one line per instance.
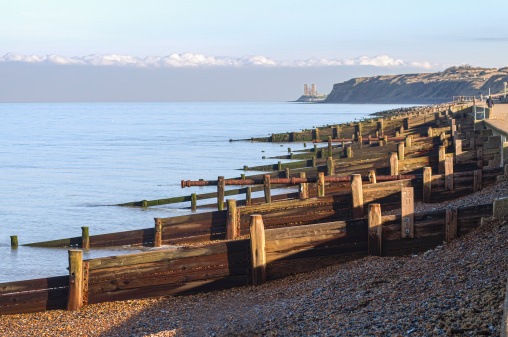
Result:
x=424 y=88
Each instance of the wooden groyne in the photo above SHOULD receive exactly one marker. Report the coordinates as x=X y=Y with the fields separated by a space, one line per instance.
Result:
x=334 y=217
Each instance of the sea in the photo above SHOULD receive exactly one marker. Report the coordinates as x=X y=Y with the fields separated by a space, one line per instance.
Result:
x=65 y=165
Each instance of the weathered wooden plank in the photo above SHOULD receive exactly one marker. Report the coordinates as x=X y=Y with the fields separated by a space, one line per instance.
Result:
x=451 y=224
x=33 y=285
x=335 y=249
x=357 y=196
x=169 y=289
x=33 y=301
x=169 y=254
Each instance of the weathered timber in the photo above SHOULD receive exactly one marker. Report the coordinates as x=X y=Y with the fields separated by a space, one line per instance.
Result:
x=427 y=184
x=357 y=195
x=75 y=300
x=257 y=247
x=232 y=220
x=407 y=212
x=375 y=230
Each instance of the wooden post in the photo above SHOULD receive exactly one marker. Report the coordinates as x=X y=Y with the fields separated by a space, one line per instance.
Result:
x=279 y=166
x=357 y=195
x=157 y=237
x=303 y=191
x=442 y=137
x=429 y=132
x=427 y=183
x=14 y=241
x=267 y=188
x=409 y=141
x=75 y=299
x=336 y=132
x=257 y=249
x=458 y=150
x=193 y=199
x=343 y=146
x=85 y=238
x=315 y=148
x=330 y=166
x=287 y=172
x=322 y=153
x=394 y=164
x=349 y=152
x=448 y=174
x=321 y=184
x=231 y=221
x=380 y=127
x=479 y=157
x=314 y=161
x=451 y=224
x=317 y=133
x=375 y=230
x=441 y=158
x=372 y=177
x=478 y=177
x=289 y=151
x=407 y=212
x=400 y=151
x=329 y=146
x=248 y=196
x=385 y=140
x=360 y=141
x=220 y=193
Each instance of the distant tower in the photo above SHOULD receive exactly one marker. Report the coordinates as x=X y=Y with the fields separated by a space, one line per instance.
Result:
x=305 y=90
x=313 y=90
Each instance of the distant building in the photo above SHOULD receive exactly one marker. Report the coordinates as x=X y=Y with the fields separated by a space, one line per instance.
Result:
x=309 y=92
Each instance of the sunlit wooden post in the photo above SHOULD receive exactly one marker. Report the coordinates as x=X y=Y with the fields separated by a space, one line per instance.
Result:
x=375 y=230
x=427 y=184
x=231 y=221
x=257 y=249
x=357 y=195
x=407 y=212
x=75 y=299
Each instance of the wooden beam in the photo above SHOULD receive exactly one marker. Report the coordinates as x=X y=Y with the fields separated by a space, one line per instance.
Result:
x=321 y=184
x=357 y=195
x=427 y=183
x=375 y=230
x=75 y=299
x=448 y=174
x=303 y=191
x=429 y=132
x=478 y=175
x=349 y=152
x=451 y=224
x=409 y=141
x=220 y=193
x=394 y=164
x=257 y=249
x=458 y=150
x=231 y=220
x=157 y=239
x=407 y=212
x=267 y=188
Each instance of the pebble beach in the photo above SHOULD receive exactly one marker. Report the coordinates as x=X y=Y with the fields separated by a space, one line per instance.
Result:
x=456 y=289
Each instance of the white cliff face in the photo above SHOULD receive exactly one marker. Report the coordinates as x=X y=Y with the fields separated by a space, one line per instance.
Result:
x=420 y=88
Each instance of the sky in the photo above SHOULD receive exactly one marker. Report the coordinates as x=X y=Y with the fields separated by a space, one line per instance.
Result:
x=165 y=50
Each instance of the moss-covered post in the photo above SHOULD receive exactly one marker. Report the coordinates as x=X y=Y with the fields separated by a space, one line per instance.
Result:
x=267 y=188
x=279 y=166
x=315 y=148
x=330 y=166
x=75 y=297
x=14 y=241
x=336 y=132
x=314 y=161
x=85 y=238
x=221 y=186
x=329 y=146
x=194 y=199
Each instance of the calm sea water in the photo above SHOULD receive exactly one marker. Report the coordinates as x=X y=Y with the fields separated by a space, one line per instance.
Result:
x=62 y=164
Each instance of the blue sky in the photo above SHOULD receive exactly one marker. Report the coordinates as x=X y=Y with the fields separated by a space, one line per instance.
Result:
x=398 y=36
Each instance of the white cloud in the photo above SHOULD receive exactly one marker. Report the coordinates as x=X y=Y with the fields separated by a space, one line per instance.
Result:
x=176 y=60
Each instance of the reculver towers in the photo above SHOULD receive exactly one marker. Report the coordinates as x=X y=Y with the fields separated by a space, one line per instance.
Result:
x=311 y=92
